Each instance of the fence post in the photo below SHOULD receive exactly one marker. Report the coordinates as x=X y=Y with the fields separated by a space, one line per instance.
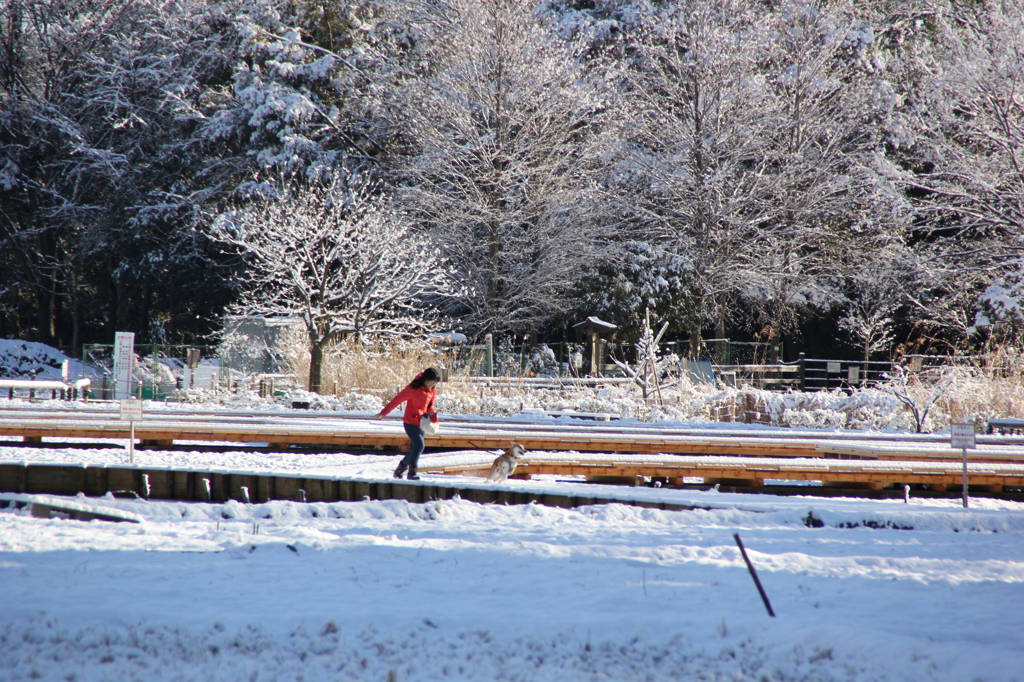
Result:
x=802 y=375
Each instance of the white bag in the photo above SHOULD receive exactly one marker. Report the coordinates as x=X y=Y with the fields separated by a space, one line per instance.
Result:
x=430 y=428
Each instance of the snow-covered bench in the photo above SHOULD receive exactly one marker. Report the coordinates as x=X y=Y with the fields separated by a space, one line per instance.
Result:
x=75 y=388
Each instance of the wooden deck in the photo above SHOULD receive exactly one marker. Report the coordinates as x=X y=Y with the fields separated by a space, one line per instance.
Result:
x=753 y=472
x=364 y=434
x=735 y=458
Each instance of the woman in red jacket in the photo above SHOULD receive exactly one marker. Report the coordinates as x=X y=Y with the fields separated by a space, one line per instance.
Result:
x=418 y=397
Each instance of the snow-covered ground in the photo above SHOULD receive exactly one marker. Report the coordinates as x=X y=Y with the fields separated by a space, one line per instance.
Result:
x=387 y=590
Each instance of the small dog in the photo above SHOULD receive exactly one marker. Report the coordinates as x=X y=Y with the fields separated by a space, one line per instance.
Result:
x=505 y=464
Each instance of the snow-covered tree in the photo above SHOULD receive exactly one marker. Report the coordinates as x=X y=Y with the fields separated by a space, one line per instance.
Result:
x=59 y=134
x=755 y=154
x=870 y=297
x=967 y=167
x=125 y=124
x=502 y=154
x=1001 y=308
x=100 y=180
x=639 y=276
x=971 y=125
x=833 y=206
x=289 y=104
x=338 y=256
x=691 y=171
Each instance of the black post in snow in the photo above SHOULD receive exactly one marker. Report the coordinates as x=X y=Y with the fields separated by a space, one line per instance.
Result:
x=753 y=574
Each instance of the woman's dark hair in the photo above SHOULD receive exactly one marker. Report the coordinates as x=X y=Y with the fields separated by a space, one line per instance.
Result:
x=429 y=374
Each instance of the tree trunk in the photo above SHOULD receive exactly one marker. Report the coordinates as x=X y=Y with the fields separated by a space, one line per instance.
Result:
x=147 y=299
x=46 y=296
x=695 y=343
x=76 y=322
x=46 y=310
x=316 y=364
x=121 y=319
x=723 y=346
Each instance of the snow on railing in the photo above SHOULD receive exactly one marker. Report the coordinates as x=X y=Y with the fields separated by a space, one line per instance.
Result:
x=76 y=388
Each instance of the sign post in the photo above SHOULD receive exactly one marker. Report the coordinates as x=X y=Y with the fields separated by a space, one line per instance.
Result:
x=124 y=354
x=962 y=437
x=131 y=411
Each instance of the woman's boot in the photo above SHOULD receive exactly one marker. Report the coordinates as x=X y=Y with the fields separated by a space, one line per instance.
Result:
x=400 y=470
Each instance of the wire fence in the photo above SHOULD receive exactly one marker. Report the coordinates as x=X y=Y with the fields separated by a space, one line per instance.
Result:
x=719 y=361
x=159 y=371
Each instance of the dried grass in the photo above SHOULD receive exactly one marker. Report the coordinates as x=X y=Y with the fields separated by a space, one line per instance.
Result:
x=349 y=366
x=992 y=390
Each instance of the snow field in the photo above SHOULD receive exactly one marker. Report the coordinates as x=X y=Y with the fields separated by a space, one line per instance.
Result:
x=387 y=590
x=454 y=590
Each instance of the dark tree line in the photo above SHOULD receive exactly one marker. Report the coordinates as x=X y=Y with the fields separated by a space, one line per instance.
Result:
x=733 y=166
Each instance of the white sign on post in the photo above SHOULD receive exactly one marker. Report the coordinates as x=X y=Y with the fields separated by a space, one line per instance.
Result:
x=131 y=411
x=962 y=436
x=124 y=355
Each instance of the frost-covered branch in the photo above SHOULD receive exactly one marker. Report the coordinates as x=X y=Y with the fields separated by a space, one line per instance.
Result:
x=339 y=257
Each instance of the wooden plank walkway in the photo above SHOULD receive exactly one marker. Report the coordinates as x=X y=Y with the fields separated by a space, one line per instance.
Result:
x=753 y=472
x=387 y=435
x=739 y=458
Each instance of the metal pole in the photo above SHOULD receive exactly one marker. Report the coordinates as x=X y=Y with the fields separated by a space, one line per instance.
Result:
x=131 y=444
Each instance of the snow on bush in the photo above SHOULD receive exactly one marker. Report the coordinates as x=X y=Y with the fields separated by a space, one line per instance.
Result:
x=193 y=396
x=353 y=401
x=29 y=360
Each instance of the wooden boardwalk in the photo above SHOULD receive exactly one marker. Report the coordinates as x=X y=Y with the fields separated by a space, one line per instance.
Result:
x=737 y=458
x=364 y=434
x=753 y=472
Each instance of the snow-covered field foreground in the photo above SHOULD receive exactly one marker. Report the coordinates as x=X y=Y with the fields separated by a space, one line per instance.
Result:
x=455 y=590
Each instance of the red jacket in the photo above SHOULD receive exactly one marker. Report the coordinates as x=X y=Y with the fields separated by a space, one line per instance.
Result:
x=418 y=402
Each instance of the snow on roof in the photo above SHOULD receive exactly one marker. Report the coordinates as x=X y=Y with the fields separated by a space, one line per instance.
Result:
x=595 y=322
